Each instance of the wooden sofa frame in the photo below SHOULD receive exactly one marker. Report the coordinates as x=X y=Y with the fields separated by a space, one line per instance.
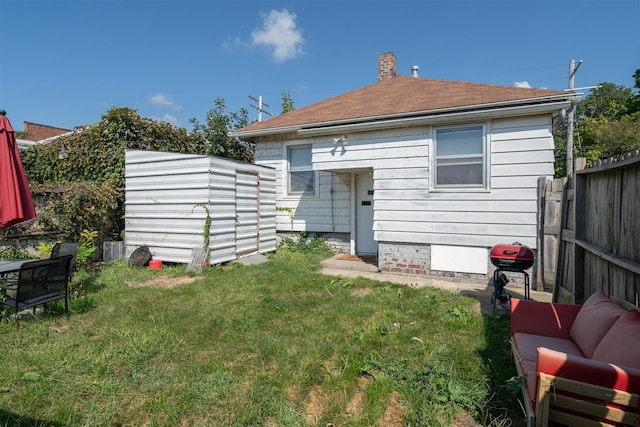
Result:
x=575 y=403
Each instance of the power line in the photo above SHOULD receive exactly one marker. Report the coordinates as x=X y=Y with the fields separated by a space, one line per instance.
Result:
x=572 y=71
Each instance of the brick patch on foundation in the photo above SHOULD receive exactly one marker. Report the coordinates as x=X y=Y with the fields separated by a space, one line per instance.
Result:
x=415 y=260
x=402 y=258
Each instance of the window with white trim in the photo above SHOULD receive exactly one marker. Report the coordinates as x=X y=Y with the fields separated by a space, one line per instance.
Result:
x=460 y=157
x=301 y=174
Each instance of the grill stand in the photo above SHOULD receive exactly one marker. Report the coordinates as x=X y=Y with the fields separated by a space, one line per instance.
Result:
x=496 y=275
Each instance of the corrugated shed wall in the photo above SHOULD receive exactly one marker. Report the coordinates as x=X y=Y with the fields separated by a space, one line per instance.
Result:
x=165 y=199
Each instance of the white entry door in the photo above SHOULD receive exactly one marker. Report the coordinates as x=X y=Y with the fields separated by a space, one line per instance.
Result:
x=365 y=244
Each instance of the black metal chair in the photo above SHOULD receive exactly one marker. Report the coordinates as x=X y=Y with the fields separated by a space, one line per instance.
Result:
x=40 y=282
x=66 y=248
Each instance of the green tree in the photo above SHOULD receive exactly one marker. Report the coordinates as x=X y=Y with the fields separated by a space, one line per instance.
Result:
x=607 y=100
x=634 y=104
x=604 y=138
x=287 y=103
x=607 y=125
x=215 y=132
x=608 y=122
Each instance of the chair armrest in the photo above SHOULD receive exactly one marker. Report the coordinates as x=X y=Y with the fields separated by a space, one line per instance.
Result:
x=588 y=371
x=542 y=318
x=8 y=284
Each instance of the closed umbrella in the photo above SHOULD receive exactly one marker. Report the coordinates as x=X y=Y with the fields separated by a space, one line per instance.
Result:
x=16 y=204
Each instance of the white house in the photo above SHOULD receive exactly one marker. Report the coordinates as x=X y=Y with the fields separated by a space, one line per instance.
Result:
x=425 y=174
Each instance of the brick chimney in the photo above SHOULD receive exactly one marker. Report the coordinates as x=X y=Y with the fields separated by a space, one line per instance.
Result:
x=386 y=66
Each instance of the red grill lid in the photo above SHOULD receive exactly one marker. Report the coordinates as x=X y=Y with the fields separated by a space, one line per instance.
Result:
x=512 y=255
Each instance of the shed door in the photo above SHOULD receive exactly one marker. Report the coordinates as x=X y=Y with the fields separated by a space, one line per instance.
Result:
x=247 y=213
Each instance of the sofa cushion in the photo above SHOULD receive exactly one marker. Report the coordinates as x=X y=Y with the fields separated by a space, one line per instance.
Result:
x=593 y=321
x=527 y=345
x=621 y=345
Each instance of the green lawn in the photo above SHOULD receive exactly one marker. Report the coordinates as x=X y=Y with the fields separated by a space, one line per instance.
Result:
x=275 y=344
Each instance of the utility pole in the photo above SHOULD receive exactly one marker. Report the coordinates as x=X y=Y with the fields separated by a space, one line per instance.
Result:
x=259 y=107
x=572 y=71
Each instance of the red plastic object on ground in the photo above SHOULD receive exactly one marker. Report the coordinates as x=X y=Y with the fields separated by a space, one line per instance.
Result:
x=513 y=256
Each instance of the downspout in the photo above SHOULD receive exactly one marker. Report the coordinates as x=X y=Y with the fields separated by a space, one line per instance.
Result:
x=352 y=231
x=333 y=226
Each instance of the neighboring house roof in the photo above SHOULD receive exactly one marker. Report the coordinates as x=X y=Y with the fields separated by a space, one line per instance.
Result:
x=402 y=97
x=38 y=132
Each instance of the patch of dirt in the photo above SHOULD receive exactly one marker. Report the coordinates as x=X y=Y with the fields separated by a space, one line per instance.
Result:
x=355 y=405
x=361 y=291
x=395 y=413
x=465 y=419
x=163 y=281
x=314 y=408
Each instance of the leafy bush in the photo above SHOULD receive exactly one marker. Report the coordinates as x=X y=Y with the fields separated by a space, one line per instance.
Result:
x=13 y=253
x=74 y=207
x=304 y=244
x=84 y=253
x=96 y=154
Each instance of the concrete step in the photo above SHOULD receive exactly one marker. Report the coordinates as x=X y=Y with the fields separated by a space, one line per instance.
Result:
x=349 y=262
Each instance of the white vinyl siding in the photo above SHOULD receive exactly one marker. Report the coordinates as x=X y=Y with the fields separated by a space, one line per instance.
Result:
x=521 y=151
x=328 y=211
x=407 y=207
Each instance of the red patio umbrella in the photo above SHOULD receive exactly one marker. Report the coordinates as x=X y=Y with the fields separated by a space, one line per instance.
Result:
x=16 y=204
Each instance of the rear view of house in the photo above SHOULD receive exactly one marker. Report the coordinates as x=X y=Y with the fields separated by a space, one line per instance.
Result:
x=425 y=174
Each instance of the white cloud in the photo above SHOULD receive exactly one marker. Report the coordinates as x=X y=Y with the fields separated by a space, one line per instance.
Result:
x=169 y=118
x=280 y=33
x=232 y=43
x=164 y=100
x=523 y=83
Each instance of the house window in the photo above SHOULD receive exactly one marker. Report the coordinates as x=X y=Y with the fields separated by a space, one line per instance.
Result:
x=460 y=157
x=301 y=174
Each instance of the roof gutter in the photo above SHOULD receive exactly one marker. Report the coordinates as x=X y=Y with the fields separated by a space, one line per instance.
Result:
x=264 y=132
x=436 y=118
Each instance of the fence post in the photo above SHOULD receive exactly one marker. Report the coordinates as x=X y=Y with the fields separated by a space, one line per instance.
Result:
x=542 y=187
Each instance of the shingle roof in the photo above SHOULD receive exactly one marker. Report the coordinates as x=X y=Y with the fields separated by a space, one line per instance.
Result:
x=403 y=96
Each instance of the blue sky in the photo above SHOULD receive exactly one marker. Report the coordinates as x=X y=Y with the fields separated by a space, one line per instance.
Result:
x=66 y=62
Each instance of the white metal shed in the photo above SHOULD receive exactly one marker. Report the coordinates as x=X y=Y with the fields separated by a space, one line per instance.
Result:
x=165 y=199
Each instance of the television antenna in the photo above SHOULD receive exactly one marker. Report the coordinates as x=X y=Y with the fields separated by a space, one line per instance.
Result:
x=259 y=107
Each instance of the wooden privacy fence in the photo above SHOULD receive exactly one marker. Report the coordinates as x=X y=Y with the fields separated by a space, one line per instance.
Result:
x=598 y=240
x=549 y=214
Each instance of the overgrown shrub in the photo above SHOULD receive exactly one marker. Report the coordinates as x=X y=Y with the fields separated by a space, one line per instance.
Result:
x=305 y=243
x=11 y=252
x=96 y=154
x=74 y=207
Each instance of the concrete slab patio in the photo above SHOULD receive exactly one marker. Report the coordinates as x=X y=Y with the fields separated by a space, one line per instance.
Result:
x=351 y=266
